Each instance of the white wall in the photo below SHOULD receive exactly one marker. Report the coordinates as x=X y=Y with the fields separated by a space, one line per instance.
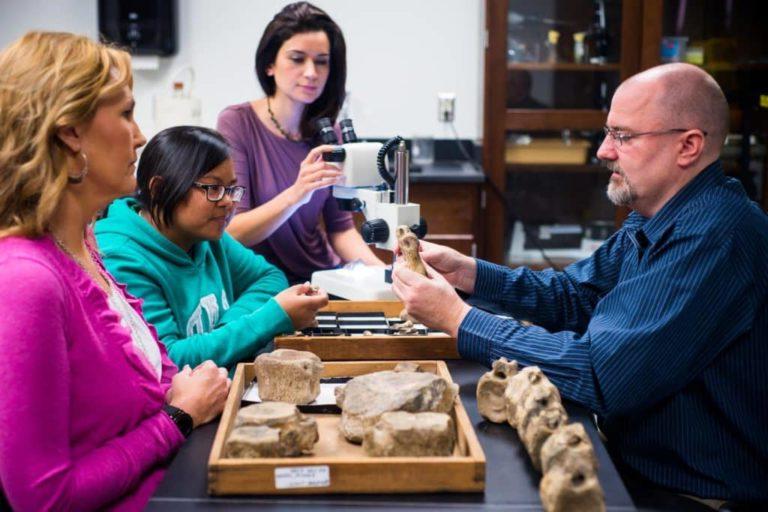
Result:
x=400 y=53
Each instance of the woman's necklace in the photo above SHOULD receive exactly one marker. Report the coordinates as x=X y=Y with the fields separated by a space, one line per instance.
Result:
x=101 y=281
x=286 y=134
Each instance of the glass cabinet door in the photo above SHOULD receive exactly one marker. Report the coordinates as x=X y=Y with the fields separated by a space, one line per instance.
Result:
x=728 y=40
x=564 y=62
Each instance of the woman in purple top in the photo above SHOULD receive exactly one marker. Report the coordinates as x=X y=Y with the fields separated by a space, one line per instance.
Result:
x=91 y=408
x=288 y=214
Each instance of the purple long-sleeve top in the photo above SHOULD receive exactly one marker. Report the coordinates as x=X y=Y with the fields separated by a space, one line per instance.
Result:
x=81 y=419
x=267 y=165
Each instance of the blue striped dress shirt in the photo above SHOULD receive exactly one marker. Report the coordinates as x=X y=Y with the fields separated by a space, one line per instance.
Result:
x=662 y=332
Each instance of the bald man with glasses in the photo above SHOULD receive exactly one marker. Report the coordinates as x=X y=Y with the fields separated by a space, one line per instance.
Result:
x=663 y=331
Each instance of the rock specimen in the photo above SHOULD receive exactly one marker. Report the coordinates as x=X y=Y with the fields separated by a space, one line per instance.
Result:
x=286 y=375
x=408 y=366
x=271 y=429
x=409 y=247
x=365 y=398
x=490 y=390
x=536 y=429
x=566 y=444
x=528 y=381
x=404 y=434
x=572 y=487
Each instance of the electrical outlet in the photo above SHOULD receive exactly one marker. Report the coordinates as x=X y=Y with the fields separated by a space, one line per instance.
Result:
x=446 y=107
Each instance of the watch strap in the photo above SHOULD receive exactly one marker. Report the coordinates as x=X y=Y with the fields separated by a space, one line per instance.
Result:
x=182 y=420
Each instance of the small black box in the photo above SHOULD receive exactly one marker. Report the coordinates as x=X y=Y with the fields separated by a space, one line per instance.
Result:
x=144 y=27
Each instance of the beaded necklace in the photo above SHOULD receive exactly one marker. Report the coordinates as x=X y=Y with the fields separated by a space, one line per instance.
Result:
x=286 y=134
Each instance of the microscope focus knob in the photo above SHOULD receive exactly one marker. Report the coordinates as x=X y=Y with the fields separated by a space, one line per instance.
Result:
x=374 y=231
x=420 y=229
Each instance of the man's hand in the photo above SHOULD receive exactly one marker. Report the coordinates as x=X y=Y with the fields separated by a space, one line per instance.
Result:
x=430 y=300
x=459 y=270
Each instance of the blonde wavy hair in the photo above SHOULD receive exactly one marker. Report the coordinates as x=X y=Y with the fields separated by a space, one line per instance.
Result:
x=48 y=80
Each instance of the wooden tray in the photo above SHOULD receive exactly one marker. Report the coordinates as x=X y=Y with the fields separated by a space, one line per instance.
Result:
x=337 y=466
x=375 y=347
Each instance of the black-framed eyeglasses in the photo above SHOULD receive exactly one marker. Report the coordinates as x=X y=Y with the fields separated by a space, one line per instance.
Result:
x=215 y=193
x=620 y=137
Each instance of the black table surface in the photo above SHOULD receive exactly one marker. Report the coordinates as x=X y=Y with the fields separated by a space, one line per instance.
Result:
x=511 y=483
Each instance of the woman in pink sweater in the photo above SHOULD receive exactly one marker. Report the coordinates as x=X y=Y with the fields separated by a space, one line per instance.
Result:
x=91 y=408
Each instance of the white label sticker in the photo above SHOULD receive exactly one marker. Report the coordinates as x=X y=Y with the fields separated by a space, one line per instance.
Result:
x=302 y=476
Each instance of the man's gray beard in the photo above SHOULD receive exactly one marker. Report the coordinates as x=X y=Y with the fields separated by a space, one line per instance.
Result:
x=619 y=194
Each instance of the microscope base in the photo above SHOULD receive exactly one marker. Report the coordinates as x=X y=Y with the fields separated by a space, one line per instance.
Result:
x=360 y=283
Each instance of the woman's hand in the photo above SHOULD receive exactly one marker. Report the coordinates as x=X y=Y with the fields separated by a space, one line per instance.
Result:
x=201 y=392
x=300 y=303
x=314 y=174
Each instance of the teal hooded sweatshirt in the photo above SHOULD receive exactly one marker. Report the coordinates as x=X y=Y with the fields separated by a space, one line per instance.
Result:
x=214 y=303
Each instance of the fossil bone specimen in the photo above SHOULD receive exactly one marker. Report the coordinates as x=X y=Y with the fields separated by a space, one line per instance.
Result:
x=536 y=429
x=409 y=247
x=403 y=434
x=365 y=398
x=490 y=390
x=572 y=487
x=527 y=391
x=565 y=444
x=271 y=429
x=286 y=375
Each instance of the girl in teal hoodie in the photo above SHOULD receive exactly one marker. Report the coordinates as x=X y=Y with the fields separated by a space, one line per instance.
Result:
x=207 y=295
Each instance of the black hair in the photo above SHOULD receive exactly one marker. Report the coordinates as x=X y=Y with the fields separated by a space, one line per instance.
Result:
x=179 y=156
x=298 y=18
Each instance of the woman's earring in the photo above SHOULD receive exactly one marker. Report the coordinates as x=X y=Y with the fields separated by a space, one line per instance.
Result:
x=79 y=178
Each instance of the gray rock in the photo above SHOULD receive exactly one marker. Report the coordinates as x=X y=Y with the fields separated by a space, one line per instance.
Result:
x=271 y=429
x=365 y=398
x=490 y=390
x=286 y=375
x=405 y=434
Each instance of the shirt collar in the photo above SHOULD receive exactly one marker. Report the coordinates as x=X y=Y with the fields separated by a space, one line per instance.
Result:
x=654 y=227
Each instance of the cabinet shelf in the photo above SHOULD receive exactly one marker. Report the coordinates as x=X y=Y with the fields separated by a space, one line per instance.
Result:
x=554 y=119
x=570 y=168
x=561 y=66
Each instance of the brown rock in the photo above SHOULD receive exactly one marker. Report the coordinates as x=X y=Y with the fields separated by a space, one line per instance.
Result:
x=572 y=487
x=365 y=398
x=286 y=375
x=565 y=445
x=404 y=434
x=490 y=390
x=271 y=429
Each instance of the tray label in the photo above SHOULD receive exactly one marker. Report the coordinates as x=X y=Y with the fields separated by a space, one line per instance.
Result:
x=302 y=476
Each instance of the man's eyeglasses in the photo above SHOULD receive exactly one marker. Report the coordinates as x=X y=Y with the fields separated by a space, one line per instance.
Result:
x=215 y=193
x=620 y=137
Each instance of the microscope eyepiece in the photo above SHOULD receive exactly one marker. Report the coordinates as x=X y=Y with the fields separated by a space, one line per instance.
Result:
x=325 y=131
x=348 y=134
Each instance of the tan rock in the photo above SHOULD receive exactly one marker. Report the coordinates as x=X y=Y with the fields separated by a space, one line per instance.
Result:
x=572 y=487
x=408 y=366
x=405 y=434
x=528 y=380
x=491 y=387
x=409 y=248
x=534 y=430
x=566 y=444
x=365 y=398
x=286 y=375
x=271 y=429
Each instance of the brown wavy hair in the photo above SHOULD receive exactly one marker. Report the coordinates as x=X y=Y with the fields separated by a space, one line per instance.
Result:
x=48 y=80
x=298 y=18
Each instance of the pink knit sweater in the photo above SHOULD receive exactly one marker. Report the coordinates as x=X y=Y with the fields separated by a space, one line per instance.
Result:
x=81 y=424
